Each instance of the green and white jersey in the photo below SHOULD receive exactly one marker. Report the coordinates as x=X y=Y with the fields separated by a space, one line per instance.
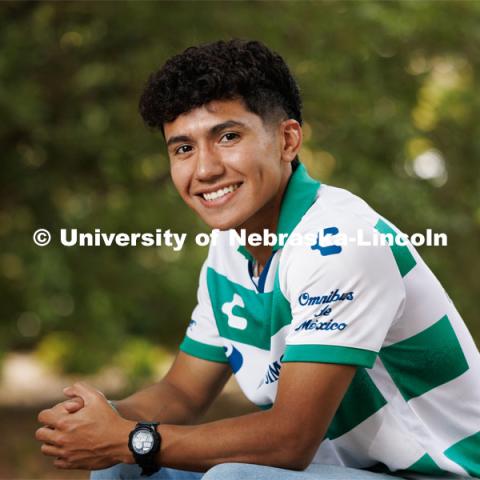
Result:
x=414 y=403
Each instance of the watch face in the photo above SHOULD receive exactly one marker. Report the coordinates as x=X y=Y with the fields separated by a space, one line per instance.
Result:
x=142 y=441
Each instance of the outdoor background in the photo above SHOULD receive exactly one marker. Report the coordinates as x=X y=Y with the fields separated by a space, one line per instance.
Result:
x=392 y=113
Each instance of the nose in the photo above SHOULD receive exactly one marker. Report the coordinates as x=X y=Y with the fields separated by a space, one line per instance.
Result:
x=209 y=164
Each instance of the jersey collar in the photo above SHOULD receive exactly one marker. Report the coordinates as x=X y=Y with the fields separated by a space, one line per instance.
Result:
x=299 y=196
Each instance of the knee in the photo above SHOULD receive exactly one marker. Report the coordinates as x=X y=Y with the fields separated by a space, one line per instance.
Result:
x=230 y=471
x=117 y=472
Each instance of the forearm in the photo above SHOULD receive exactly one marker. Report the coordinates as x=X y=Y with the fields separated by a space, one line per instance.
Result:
x=285 y=436
x=162 y=402
x=261 y=438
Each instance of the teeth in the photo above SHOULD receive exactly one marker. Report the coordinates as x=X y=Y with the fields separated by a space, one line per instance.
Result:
x=219 y=193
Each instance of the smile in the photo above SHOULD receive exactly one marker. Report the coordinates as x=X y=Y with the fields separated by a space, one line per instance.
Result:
x=209 y=197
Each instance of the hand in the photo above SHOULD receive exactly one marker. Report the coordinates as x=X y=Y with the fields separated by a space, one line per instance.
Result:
x=91 y=437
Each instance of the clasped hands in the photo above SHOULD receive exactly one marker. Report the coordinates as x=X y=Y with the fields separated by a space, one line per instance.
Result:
x=84 y=432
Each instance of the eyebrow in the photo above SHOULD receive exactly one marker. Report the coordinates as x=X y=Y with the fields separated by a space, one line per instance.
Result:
x=215 y=130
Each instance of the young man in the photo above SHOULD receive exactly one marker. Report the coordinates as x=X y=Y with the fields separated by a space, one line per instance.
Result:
x=355 y=355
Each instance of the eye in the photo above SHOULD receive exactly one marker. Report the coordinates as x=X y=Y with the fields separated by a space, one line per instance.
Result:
x=183 y=149
x=228 y=137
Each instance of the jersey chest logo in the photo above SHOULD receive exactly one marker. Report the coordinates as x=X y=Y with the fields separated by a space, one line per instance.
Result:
x=326 y=250
x=235 y=321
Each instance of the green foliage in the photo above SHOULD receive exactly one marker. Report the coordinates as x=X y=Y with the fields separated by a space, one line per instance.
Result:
x=63 y=352
x=54 y=350
x=382 y=82
x=140 y=362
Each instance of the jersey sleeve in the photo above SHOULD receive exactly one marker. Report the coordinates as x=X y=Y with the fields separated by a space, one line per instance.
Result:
x=202 y=339
x=344 y=297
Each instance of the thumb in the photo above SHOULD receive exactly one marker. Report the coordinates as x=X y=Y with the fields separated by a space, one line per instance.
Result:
x=82 y=390
x=73 y=405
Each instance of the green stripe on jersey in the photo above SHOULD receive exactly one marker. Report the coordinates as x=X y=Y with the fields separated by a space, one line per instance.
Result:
x=265 y=313
x=329 y=354
x=361 y=401
x=403 y=256
x=233 y=303
x=204 y=351
x=426 y=360
x=466 y=453
x=281 y=311
x=427 y=466
x=299 y=197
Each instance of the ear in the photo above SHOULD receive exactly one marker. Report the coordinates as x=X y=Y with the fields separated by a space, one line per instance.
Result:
x=292 y=137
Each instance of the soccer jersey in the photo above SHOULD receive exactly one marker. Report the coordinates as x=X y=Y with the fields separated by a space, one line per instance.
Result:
x=414 y=402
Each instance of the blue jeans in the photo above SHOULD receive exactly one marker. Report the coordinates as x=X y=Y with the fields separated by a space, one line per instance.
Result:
x=242 y=471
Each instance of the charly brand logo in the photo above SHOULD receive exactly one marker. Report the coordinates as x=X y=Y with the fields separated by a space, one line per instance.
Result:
x=192 y=324
x=235 y=358
x=322 y=246
x=305 y=299
x=314 y=324
x=235 y=321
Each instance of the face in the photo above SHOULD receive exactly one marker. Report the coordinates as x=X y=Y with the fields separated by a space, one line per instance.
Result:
x=230 y=166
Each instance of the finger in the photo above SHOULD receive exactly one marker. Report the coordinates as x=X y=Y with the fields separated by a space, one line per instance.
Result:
x=46 y=416
x=51 y=450
x=61 y=463
x=43 y=415
x=82 y=390
x=67 y=391
x=73 y=405
x=47 y=435
x=51 y=416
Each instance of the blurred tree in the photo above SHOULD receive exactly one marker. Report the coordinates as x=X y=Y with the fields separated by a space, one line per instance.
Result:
x=391 y=108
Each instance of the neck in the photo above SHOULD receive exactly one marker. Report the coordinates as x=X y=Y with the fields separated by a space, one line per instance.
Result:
x=266 y=218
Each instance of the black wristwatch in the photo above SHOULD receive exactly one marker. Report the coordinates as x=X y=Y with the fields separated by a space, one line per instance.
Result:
x=144 y=442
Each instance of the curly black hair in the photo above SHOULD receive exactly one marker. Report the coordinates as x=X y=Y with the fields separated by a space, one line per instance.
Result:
x=247 y=70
